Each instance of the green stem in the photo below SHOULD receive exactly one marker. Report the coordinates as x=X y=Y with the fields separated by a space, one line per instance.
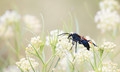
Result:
x=51 y=64
x=56 y=63
x=38 y=54
x=94 y=59
x=50 y=59
x=31 y=65
x=100 y=63
x=53 y=51
x=44 y=68
x=18 y=38
x=77 y=25
x=54 y=47
x=20 y=69
x=73 y=66
x=91 y=64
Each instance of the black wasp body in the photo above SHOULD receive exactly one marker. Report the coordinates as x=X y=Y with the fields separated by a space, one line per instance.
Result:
x=75 y=37
x=78 y=39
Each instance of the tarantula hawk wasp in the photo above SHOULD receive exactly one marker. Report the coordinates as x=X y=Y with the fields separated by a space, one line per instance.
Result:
x=78 y=39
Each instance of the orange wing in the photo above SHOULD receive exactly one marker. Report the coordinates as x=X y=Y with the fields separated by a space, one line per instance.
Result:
x=85 y=39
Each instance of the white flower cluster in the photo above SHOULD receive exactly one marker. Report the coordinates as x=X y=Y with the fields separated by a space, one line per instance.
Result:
x=6 y=23
x=53 y=37
x=64 y=62
x=83 y=55
x=32 y=23
x=63 y=46
x=25 y=64
x=108 y=18
x=112 y=4
x=108 y=46
x=109 y=67
x=63 y=50
x=36 y=43
x=10 y=17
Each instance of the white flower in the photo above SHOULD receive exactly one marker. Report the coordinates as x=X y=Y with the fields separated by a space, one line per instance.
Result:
x=64 y=42
x=64 y=62
x=10 y=17
x=32 y=23
x=36 y=43
x=7 y=22
x=108 y=46
x=24 y=64
x=11 y=69
x=107 y=20
x=112 y=4
x=53 y=37
x=63 y=46
x=83 y=55
x=76 y=58
x=109 y=67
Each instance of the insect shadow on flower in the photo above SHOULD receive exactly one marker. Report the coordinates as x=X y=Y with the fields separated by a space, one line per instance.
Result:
x=76 y=38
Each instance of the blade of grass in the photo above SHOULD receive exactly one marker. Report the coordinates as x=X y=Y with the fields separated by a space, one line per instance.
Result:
x=56 y=63
x=31 y=64
x=49 y=59
x=77 y=25
x=20 y=69
x=38 y=54
x=51 y=64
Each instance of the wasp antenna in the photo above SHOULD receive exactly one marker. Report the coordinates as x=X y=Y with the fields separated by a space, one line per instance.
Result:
x=63 y=34
x=92 y=43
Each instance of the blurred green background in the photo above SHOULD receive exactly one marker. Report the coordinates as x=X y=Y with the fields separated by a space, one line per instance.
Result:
x=56 y=12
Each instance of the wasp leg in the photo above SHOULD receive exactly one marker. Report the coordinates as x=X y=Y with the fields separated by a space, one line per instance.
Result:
x=72 y=45
x=76 y=48
x=70 y=39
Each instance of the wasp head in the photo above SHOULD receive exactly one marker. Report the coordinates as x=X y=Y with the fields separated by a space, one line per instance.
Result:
x=70 y=35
